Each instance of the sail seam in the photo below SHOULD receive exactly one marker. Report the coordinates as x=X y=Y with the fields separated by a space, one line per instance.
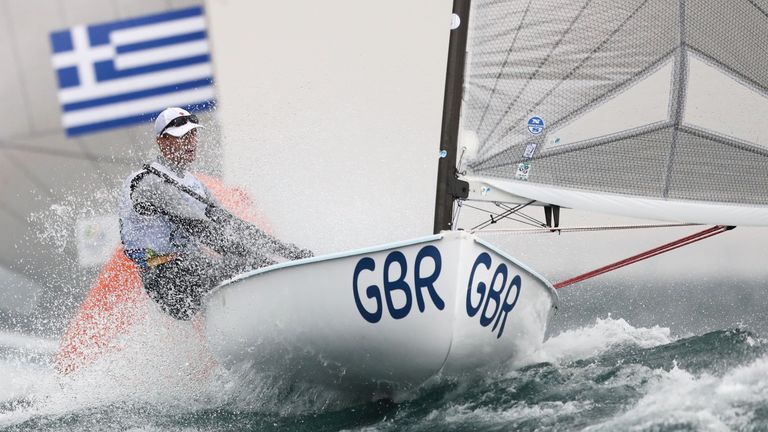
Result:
x=504 y=65
x=615 y=90
x=752 y=2
x=536 y=72
x=643 y=130
x=569 y=74
x=679 y=92
x=594 y=102
x=724 y=140
x=735 y=74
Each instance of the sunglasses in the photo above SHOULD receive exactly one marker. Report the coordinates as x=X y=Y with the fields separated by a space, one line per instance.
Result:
x=180 y=121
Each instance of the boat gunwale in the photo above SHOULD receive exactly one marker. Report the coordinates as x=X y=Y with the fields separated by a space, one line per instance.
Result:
x=379 y=248
x=323 y=258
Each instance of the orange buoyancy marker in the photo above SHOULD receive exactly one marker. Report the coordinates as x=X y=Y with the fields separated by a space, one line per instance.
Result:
x=116 y=300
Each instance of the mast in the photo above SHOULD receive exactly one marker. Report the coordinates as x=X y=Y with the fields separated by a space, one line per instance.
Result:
x=449 y=188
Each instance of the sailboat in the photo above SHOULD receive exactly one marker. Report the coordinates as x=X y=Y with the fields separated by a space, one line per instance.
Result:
x=632 y=108
x=644 y=108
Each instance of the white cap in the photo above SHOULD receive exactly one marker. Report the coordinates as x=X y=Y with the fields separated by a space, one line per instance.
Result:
x=170 y=114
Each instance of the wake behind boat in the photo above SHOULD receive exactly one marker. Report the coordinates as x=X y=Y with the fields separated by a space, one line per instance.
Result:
x=382 y=319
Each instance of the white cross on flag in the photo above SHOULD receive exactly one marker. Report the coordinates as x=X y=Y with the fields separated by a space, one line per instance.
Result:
x=125 y=72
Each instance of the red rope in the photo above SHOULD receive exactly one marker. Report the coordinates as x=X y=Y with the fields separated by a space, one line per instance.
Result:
x=709 y=232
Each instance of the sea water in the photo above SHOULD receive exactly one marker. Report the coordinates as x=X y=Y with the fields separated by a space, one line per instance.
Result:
x=605 y=367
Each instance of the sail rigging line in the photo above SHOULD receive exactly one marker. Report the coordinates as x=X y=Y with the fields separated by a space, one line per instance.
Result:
x=495 y=217
x=461 y=159
x=503 y=215
x=564 y=79
x=535 y=73
x=532 y=220
x=504 y=65
x=593 y=228
x=457 y=204
x=508 y=211
x=693 y=238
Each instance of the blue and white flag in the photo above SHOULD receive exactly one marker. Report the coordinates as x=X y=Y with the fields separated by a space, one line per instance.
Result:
x=125 y=72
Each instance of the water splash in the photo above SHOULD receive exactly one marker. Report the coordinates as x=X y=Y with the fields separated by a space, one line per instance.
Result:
x=704 y=401
x=160 y=363
x=606 y=334
x=608 y=375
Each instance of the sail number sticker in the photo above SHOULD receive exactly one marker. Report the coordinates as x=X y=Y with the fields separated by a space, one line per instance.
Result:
x=492 y=294
x=395 y=276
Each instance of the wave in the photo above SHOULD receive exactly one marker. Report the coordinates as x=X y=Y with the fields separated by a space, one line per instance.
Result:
x=608 y=375
x=605 y=334
x=613 y=376
x=735 y=400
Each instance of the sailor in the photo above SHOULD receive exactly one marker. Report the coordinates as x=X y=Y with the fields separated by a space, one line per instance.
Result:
x=183 y=242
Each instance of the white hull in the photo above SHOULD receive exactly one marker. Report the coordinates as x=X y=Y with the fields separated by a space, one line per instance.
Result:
x=342 y=321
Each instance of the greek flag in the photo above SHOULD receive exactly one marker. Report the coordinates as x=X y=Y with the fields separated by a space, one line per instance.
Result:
x=125 y=72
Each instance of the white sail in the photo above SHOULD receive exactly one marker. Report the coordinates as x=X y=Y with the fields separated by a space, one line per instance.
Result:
x=650 y=108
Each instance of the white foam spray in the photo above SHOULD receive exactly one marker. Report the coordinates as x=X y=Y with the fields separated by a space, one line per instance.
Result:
x=606 y=334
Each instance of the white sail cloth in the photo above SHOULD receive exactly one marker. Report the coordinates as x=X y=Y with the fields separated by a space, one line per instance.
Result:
x=648 y=108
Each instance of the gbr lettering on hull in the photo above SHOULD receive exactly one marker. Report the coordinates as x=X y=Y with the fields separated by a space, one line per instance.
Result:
x=491 y=294
x=420 y=284
x=493 y=301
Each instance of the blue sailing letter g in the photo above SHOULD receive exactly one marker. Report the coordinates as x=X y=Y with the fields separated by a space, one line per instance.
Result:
x=372 y=292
